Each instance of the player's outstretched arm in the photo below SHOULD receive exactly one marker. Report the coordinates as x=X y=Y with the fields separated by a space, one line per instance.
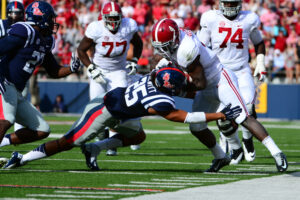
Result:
x=53 y=68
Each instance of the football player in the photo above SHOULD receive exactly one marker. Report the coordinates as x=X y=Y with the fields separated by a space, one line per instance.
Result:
x=217 y=85
x=27 y=45
x=228 y=31
x=150 y=95
x=111 y=38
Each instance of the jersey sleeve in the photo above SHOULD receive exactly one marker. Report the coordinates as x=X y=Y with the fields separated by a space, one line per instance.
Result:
x=133 y=26
x=24 y=31
x=205 y=32
x=91 y=31
x=160 y=103
x=254 y=21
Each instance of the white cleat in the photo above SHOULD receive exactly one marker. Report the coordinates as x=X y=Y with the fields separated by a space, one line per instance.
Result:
x=249 y=151
x=237 y=155
x=111 y=152
x=281 y=162
x=3 y=161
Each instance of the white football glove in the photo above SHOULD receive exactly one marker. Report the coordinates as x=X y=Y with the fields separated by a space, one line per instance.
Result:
x=162 y=63
x=96 y=74
x=75 y=63
x=260 y=68
x=132 y=67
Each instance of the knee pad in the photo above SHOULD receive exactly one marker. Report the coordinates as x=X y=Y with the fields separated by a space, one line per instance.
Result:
x=227 y=127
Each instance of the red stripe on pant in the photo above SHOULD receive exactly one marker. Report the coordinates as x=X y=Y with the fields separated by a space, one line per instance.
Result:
x=85 y=127
x=235 y=91
x=1 y=109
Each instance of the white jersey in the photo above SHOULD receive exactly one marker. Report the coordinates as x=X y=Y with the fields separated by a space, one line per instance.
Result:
x=228 y=39
x=208 y=59
x=111 y=49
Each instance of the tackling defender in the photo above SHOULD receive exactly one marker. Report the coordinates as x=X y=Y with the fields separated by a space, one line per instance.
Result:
x=228 y=31
x=150 y=95
x=217 y=84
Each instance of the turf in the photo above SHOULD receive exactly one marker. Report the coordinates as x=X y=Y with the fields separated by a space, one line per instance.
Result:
x=165 y=162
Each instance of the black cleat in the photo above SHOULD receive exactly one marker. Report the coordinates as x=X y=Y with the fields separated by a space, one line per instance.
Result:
x=217 y=164
x=90 y=161
x=281 y=162
x=237 y=155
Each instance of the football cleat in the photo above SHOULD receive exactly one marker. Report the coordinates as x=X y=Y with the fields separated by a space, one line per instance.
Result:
x=3 y=161
x=14 y=161
x=90 y=160
x=248 y=148
x=281 y=162
x=111 y=152
x=135 y=147
x=237 y=155
x=217 y=164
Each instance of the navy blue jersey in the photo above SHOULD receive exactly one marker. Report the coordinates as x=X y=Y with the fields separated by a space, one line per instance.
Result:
x=18 y=64
x=4 y=27
x=135 y=100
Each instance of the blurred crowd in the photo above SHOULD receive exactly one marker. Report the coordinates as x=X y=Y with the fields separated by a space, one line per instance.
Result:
x=280 y=27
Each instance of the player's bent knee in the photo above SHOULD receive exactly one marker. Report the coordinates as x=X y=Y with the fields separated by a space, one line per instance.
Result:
x=227 y=127
x=42 y=134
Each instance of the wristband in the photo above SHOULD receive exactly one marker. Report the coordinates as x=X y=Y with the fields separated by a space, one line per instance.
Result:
x=195 y=117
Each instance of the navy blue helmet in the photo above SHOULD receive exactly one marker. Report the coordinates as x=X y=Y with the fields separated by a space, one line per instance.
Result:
x=41 y=14
x=170 y=80
x=15 y=12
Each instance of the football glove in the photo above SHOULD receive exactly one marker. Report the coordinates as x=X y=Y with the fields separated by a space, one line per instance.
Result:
x=260 y=68
x=231 y=113
x=75 y=63
x=96 y=73
x=2 y=86
x=132 y=66
x=162 y=63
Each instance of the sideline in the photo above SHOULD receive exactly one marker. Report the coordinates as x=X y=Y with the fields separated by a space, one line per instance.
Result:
x=270 y=188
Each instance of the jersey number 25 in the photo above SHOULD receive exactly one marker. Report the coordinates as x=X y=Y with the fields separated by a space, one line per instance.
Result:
x=237 y=37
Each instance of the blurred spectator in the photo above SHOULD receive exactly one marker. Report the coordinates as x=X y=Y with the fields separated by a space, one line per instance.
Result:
x=158 y=11
x=59 y=105
x=280 y=42
x=191 y=22
x=179 y=21
x=184 y=8
x=297 y=55
x=269 y=19
x=203 y=7
x=127 y=9
x=278 y=64
x=139 y=16
x=289 y=63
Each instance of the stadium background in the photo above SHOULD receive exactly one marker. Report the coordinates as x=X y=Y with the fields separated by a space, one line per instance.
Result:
x=280 y=27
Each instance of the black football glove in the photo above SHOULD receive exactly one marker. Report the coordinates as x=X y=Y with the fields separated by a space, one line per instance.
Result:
x=231 y=113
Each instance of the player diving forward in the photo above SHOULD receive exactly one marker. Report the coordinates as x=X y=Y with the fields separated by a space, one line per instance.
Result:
x=217 y=86
x=151 y=95
x=27 y=45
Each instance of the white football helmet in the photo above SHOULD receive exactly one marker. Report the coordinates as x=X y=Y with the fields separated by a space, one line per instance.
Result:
x=230 y=11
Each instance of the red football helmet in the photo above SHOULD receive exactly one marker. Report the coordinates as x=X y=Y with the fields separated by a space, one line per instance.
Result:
x=112 y=15
x=165 y=36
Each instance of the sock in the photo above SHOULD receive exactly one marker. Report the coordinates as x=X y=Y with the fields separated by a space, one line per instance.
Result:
x=217 y=151
x=35 y=154
x=271 y=146
x=246 y=133
x=233 y=141
x=5 y=141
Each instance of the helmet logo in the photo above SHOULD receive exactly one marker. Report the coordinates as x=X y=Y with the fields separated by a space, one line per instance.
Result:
x=36 y=10
x=166 y=79
x=173 y=30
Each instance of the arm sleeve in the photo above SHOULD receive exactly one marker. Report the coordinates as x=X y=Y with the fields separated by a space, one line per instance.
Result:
x=51 y=65
x=256 y=37
x=204 y=34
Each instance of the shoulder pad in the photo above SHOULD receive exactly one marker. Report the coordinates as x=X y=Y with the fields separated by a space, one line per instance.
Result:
x=23 y=30
x=207 y=17
x=132 y=24
x=4 y=27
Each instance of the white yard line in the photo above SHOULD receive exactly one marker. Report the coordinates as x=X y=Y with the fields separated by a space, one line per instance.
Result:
x=276 y=188
x=69 y=196
x=97 y=192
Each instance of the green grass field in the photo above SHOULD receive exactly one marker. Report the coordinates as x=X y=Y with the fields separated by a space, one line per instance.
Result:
x=170 y=159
